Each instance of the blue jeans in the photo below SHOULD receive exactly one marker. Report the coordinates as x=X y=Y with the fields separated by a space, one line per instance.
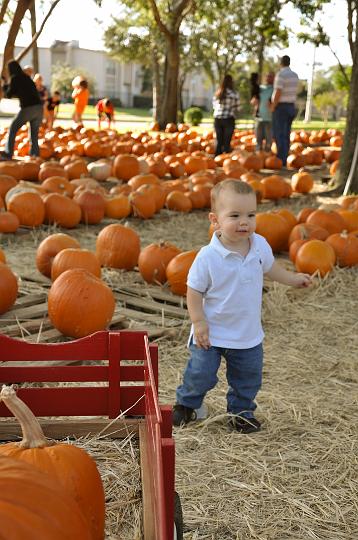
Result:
x=263 y=131
x=243 y=374
x=282 y=118
x=224 y=128
x=32 y=114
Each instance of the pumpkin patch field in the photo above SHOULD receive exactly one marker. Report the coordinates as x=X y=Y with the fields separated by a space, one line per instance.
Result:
x=100 y=233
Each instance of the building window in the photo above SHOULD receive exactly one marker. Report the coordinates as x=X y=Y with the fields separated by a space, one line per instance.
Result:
x=110 y=68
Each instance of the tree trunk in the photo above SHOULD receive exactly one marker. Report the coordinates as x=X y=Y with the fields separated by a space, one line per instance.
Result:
x=21 y=8
x=157 y=90
x=35 y=52
x=351 y=131
x=169 y=107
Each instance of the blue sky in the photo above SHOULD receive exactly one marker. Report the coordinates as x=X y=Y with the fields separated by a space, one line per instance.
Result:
x=78 y=20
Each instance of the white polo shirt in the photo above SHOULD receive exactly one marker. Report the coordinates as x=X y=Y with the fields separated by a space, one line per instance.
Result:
x=232 y=291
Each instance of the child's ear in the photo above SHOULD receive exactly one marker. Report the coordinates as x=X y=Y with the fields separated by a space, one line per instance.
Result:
x=213 y=220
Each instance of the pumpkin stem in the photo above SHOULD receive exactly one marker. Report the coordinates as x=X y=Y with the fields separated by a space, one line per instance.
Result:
x=32 y=434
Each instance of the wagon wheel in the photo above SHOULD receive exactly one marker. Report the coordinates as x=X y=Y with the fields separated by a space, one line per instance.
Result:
x=178 y=518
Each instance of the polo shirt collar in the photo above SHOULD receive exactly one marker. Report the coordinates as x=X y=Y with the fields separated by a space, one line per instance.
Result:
x=224 y=252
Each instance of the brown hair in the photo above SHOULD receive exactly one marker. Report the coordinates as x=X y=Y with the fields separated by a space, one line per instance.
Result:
x=226 y=84
x=230 y=184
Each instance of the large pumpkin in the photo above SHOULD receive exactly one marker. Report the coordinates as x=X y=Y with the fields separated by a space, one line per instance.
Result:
x=327 y=219
x=48 y=249
x=75 y=258
x=315 y=256
x=27 y=204
x=302 y=182
x=125 y=166
x=92 y=206
x=34 y=507
x=118 y=247
x=8 y=288
x=79 y=303
x=67 y=465
x=345 y=247
x=177 y=271
x=154 y=259
x=9 y=222
x=275 y=229
x=61 y=210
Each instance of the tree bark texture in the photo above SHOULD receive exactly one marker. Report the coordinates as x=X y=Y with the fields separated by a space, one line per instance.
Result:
x=21 y=8
x=351 y=131
x=169 y=108
x=157 y=90
x=35 y=52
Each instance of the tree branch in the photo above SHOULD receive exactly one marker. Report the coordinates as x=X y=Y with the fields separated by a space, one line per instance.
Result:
x=3 y=9
x=36 y=36
x=158 y=19
x=341 y=67
x=350 y=26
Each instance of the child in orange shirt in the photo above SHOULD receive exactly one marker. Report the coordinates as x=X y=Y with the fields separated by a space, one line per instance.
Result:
x=105 y=108
x=80 y=96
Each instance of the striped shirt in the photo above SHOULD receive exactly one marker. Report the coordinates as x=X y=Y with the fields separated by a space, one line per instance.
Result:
x=228 y=107
x=286 y=80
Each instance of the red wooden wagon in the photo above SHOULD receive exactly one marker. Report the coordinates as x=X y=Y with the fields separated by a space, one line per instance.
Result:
x=128 y=364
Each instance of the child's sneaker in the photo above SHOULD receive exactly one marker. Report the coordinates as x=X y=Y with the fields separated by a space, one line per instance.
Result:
x=244 y=425
x=182 y=415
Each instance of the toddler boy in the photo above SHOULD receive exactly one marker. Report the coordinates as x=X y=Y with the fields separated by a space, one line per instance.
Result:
x=224 y=300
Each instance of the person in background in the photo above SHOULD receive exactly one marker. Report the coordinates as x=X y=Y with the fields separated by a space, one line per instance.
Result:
x=31 y=109
x=263 y=124
x=42 y=90
x=28 y=70
x=255 y=92
x=224 y=301
x=105 y=109
x=283 y=107
x=52 y=106
x=226 y=106
x=80 y=96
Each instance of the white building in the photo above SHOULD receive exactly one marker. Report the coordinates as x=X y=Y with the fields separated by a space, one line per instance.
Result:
x=112 y=78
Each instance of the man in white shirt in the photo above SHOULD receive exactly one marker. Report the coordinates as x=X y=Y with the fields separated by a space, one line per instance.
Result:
x=283 y=107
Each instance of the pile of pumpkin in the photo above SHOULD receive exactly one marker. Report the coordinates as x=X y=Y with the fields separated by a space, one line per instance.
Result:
x=72 y=191
x=318 y=238
x=79 y=301
x=47 y=490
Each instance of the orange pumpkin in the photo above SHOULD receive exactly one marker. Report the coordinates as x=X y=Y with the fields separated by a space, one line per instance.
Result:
x=177 y=271
x=274 y=228
x=92 y=206
x=27 y=499
x=154 y=259
x=75 y=258
x=9 y=222
x=305 y=231
x=61 y=210
x=2 y=257
x=273 y=162
x=327 y=219
x=27 y=205
x=274 y=187
x=176 y=200
x=118 y=247
x=143 y=206
x=6 y=183
x=304 y=213
x=125 y=166
x=302 y=182
x=117 y=206
x=345 y=247
x=315 y=256
x=79 y=303
x=8 y=288
x=294 y=247
x=351 y=219
x=66 y=465
x=48 y=249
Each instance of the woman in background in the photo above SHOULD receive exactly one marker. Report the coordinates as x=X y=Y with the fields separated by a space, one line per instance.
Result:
x=226 y=106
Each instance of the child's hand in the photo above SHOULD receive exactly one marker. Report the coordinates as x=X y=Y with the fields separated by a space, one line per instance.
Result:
x=201 y=334
x=301 y=280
